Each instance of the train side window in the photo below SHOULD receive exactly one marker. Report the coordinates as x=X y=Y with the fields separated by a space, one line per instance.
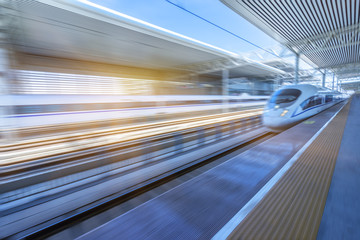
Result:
x=148 y=104
x=18 y=110
x=318 y=100
x=131 y=105
x=125 y=105
x=174 y=103
x=28 y=109
x=193 y=102
x=112 y=105
x=87 y=106
x=122 y=105
x=308 y=103
x=53 y=108
x=76 y=107
x=328 y=98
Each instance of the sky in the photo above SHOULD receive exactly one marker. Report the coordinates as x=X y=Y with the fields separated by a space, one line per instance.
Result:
x=166 y=15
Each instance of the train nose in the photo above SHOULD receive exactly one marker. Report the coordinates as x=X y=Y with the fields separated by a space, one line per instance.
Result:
x=272 y=122
x=275 y=120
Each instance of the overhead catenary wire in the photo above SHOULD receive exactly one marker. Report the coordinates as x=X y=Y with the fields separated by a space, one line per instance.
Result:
x=224 y=29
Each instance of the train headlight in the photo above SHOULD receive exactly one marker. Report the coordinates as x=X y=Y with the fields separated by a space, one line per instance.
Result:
x=283 y=113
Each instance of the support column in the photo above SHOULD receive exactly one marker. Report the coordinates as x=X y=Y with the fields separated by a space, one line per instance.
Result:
x=276 y=84
x=7 y=132
x=340 y=87
x=323 y=78
x=225 y=88
x=4 y=66
x=4 y=90
x=195 y=80
x=333 y=82
x=296 y=80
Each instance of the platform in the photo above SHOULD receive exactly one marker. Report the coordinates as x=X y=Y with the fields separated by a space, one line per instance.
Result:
x=341 y=217
x=218 y=203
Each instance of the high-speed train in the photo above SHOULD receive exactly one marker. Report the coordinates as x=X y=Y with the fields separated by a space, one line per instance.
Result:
x=293 y=103
x=38 y=110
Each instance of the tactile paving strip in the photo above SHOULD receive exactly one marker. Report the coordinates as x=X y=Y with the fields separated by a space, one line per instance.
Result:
x=294 y=207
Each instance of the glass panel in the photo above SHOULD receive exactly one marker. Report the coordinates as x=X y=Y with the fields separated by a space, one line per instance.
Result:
x=284 y=97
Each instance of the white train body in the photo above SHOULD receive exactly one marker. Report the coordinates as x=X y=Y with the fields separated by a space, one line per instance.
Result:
x=294 y=103
x=23 y=111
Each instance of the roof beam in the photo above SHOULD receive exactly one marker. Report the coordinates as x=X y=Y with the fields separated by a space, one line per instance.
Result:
x=320 y=42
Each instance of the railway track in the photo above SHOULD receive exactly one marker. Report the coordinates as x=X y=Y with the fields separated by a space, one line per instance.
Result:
x=85 y=221
x=50 y=140
x=25 y=151
x=33 y=185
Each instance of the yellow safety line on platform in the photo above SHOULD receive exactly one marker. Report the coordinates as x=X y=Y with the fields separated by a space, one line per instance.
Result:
x=294 y=207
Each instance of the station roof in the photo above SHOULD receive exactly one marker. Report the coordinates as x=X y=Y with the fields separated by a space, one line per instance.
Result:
x=325 y=33
x=80 y=30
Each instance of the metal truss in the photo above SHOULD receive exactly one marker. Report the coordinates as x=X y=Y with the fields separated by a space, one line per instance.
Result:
x=347 y=71
x=324 y=32
x=209 y=66
x=278 y=52
x=223 y=63
x=339 y=38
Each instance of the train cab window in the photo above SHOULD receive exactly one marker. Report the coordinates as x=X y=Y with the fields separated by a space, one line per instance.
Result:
x=284 y=97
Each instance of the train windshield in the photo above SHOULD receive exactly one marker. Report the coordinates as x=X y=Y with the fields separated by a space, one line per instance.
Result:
x=284 y=97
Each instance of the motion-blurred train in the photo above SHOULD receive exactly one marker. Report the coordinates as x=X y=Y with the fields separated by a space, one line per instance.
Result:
x=28 y=111
x=294 y=103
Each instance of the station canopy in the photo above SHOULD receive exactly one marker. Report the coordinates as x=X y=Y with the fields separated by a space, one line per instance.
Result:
x=325 y=33
x=82 y=31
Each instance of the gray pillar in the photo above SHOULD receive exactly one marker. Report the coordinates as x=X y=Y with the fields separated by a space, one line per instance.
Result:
x=225 y=82
x=7 y=132
x=277 y=86
x=225 y=88
x=323 y=78
x=296 y=80
x=4 y=66
x=340 y=87
x=5 y=123
x=333 y=82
